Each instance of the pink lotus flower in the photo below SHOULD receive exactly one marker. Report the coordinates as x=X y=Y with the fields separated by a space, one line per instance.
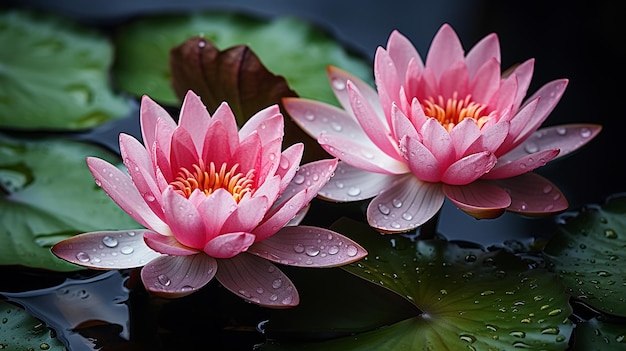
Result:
x=450 y=128
x=216 y=201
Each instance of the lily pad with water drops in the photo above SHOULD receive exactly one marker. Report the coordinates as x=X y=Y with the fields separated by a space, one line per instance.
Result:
x=287 y=46
x=468 y=298
x=48 y=194
x=588 y=254
x=54 y=74
x=599 y=335
x=20 y=331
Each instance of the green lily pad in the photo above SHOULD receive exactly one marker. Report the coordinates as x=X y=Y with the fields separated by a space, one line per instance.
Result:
x=599 y=335
x=54 y=74
x=469 y=298
x=588 y=254
x=19 y=331
x=286 y=46
x=48 y=194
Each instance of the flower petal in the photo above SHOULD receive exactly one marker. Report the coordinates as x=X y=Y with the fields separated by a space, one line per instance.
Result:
x=445 y=50
x=339 y=81
x=149 y=113
x=183 y=152
x=167 y=244
x=178 y=276
x=405 y=205
x=421 y=161
x=289 y=164
x=194 y=118
x=279 y=216
x=247 y=215
x=258 y=281
x=184 y=219
x=309 y=178
x=107 y=249
x=479 y=199
x=268 y=123
x=402 y=51
x=510 y=168
x=469 y=168
x=549 y=94
x=486 y=49
x=307 y=246
x=354 y=184
x=533 y=195
x=123 y=192
x=229 y=244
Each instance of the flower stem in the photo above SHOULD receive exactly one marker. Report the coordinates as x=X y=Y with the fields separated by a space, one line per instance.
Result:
x=428 y=230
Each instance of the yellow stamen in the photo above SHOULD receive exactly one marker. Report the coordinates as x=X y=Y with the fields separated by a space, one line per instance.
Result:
x=452 y=111
x=209 y=178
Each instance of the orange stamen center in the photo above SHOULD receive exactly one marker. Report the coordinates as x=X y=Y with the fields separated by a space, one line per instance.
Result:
x=209 y=178
x=449 y=112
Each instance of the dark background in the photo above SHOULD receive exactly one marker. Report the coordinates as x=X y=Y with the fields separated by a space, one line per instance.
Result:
x=580 y=41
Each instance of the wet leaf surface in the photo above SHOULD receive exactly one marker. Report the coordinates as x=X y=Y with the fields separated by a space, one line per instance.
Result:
x=56 y=76
x=287 y=46
x=48 y=194
x=20 y=331
x=599 y=335
x=588 y=253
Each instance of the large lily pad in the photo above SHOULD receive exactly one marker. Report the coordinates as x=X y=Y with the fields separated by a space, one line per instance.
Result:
x=20 y=331
x=588 y=254
x=469 y=298
x=47 y=194
x=54 y=74
x=599 y=335
x=286 y=46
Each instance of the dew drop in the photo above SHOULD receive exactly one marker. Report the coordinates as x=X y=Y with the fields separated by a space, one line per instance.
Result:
x=354 y=191
x=273 y=297
x=298 y=179
x=298 y=248
x=284 y=163
x=336 y=126
x=351 y=250
x=397 y=203
x=561 y=130
x=164 y=280
x=407 y=216
x=260 y=290
x=531 y=147
x=109 y=241
x=312 y=251
x=339 y=185
x=554 y=312
x=277 y=283
x=610 y=234
x=467 y=338
x=551 y=331
x=560 y=338
x=585 y=132
x=309 y=116
x=333 y=250
x=127 y=250
x=339 y=84
x=287 y=300
x=518 y=334
x=383 y=209
x=271 y=269
x=150 y=197
x=82 y=256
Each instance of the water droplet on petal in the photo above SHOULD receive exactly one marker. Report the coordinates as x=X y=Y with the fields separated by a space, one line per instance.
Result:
x=352 y=251
x=287 y=300
x=164 y=280
x=260 y=290
x=585 y=132
x=407 y=216
x=397 y=203
x=277 y=283
x=531 y=147
x=338 y=84
x=610 y=234
x=298 y=248
x=561 y=130
x=383 y=209
x=312 y=251
x=109 y=241
x=336 y=126
x=333 y=250
x=284 y=163
x=150 y=197
x=127 y=250
x=309 y=116
x=82 y=257
x=298 y=179
x=354 y=191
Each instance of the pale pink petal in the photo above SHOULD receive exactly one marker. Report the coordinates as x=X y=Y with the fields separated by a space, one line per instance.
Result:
x=268 y=123
x=270 y=159
x=289 y=164
x=376 y=128
x=517 y=123
x=224 y=116
x=533 y=195
x=215 y=210
x=421 y=161
x=339 y=82
x=523 y=76
x=106 y=250
x=486 y=49
x=479 y=199
x=469 y=168
x=405 y=205
x=217 y=146
x=299 y=216
x=167 y=244
x=150 y=112
x=310 y=177
x=184 y=219
x=257 y=280
x=354 y=184
x=183 y=152
x=229 y=244
x=463 y=135
x=367 y=158
x=270 y=189
x=307 y=246
x=249 y=154
x=454 y=80
x=317 y=118
x=194 y=118
x=492 y=138
x=178 y=276
x=387 y=81
x=486 y=82
x=402 y=52
x=401 y=125
x=567 y=138
x=506 y=168
x=161 y=150
x=249 y=213
x=118 y=186
x=504 y=101
x=437 y=139
x=445 y=50
x=549 y=94
x=279 y=216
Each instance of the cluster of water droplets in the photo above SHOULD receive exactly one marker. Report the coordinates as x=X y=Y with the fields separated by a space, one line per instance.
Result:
x=112 y=250
x=280 y=291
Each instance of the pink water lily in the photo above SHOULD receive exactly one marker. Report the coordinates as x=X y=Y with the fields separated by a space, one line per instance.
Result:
x=215 y=201
x=453 y=127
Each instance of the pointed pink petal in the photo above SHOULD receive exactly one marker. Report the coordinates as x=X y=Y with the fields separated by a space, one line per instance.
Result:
x=455 y=79
x=339 y=81
x=119 y=187
x=249 y=154
x=150 y=112
x=309 y=178
x=299 y=216
x=486 y=82
x=216 y=146
x=354 y=184
x=437 y=139
x=361 y=156
x=184 y=219
x=215 y=210
x=249 y=213
x=469 y=168
x=511 y=168
x=549 y=94
x=486 y=49
x=289 y=164
x=160 y=150
x=421 y=161
x=229 y=244
x=106 y=250
x=268 y=123
x=183 y=152
x=533 y=195
x=224 y=116
x=517 y=123
x=523 y=76
x=401 y=125
x=279 y=216
x=167 y=244
x=194 y=117
x=178 y=276
x=480 y=199
x=307 y=246
x=405 y=205
x=464 y=134
x=445 y=50
x=402 y=51
x=387 y=82
x=258 y=281
x=567 y=138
